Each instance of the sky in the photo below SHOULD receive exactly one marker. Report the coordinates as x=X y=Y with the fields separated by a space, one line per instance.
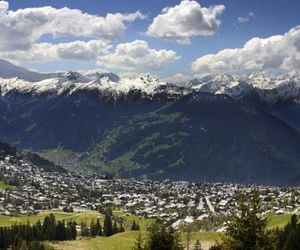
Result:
x=164 y=38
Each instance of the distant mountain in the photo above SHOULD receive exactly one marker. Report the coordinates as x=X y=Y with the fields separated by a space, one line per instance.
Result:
x=9 y=70
x=219 y=128
x=269 y=88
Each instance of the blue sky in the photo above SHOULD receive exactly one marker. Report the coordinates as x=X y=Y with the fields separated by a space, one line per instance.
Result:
x=269 y=18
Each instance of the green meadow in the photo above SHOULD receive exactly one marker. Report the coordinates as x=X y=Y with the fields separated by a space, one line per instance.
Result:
x=121 y=241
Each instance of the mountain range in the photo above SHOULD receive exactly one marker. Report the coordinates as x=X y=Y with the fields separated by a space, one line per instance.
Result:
x=240 y=128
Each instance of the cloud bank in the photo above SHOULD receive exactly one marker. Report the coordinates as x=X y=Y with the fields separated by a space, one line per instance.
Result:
x=186 y=20
x=138 y=56
x=20 y=29
x=47 y=52
x=280 y=52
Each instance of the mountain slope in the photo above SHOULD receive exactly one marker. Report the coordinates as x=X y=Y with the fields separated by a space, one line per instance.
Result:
x=223 y=128
x=9 y=70
x=15 y=156
x=202 y=138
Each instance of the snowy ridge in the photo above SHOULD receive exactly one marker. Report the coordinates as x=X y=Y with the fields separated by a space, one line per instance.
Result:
x=270 y=88
x=72 y=82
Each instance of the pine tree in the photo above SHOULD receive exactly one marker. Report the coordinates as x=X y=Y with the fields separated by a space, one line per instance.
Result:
x=74 y=230
x=161 y=237
x=84 y=230
x=4 y=238
x=247 y=230
x=49 y=227
x=121 y=228
x=71 y=231
x=39 y=231
x=133 y=226
x=107 y=227
x=60 y=231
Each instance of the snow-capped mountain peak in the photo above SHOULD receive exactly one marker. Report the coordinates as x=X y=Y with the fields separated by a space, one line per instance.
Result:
x=270 y=88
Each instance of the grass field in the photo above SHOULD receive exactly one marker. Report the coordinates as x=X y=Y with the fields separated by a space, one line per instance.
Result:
x=275 y=220
x=121 y=241
x=78 y=217
x=144 y=223
x=125 y=241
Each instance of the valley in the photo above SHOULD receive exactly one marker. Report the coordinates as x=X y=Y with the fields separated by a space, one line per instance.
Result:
x=146 y=128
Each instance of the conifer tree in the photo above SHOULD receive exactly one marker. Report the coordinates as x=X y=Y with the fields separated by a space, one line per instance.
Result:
x=162 y=237
x=133 y=226
x=84 y=230
x=107 y=227
x=121 y=228
x=247 y=229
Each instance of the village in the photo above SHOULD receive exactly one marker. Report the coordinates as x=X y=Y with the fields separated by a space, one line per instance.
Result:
x=173 y=201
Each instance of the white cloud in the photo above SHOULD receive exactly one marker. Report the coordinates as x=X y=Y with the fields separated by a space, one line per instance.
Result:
x=245 y=19
x=178 y=79
x=46 y=52
x=3 y=6
x=20 y=29
x=138 y=56
x=183 y=21
x=281 y=52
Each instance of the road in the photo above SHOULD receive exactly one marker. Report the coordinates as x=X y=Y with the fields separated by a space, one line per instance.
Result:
x=211 y=208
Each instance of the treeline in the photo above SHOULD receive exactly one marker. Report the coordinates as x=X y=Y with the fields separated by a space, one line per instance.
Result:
x=109 y=227
x=29 y=235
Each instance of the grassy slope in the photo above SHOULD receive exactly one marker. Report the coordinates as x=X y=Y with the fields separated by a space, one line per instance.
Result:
x=275 y=220
x=78 y=217
x=122 y=241
x=125 y=241
x=142 y=222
